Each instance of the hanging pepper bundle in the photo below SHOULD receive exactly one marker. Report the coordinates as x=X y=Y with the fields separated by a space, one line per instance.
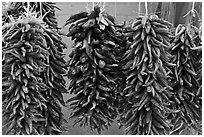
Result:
x=197 y=60
x=146 y=68
x=32 y=82
x=186 y=86
x=195 y=34
x=91 y=68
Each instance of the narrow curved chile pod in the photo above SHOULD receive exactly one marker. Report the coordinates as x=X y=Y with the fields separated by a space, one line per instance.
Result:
x=77 y=17
x=89 y=51
x=97 y=30
x=90 y=23
x=108 y=21
x=148 y=27
x=89 y=35
x=80 y=36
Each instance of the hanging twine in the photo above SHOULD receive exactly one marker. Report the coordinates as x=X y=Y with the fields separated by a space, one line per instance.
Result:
x=192 y=11
x=146 y=9
x=139 y=9
x=41 y=9
x=93 y=6
x=115 y=9
x=190 y=14
x=144 y=19
x=193 y=6
x=28 y=5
